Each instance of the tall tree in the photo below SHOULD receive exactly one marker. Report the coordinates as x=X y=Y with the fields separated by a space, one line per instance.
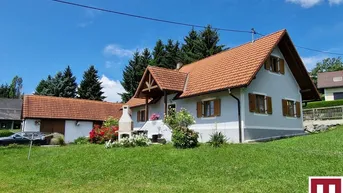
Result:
x=172 y=56
x=131 y=76
x=69 y=84
x=90 y=87
x=188 y=50
x=15 y=87
x=208 y=45
x=4 y=91
x=327 y=65
x=159 y=54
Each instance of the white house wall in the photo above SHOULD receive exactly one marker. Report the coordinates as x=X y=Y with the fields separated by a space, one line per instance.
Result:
x=328 y=93
x=278 y=87
x=227 y=122
x=29 y=125
x=73 y=131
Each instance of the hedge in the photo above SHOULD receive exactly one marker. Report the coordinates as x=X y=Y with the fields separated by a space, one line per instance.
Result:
x=5 y=133
x=319 y=104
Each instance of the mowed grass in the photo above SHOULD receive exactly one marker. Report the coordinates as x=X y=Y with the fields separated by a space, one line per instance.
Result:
x=278 y=166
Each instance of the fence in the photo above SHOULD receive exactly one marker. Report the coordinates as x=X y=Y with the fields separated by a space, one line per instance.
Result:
x=324 y=113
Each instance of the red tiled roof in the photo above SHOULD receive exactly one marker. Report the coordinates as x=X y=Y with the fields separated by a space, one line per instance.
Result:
x=229 y=69
x=168 y=79
x=134 y=102
x=35 y=106
x=330 y=79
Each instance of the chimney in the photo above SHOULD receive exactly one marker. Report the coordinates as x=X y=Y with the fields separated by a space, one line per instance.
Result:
x=178 y=65
x=125 y=121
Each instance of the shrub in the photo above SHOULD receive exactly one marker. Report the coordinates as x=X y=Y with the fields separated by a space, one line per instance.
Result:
x=57 y=139
x=101 y=134
x=5 y=133
x=141 y=140
x=136 y=140
x=319 y=104
x=110 y=121
x=61 y=141
x=217 y=139
x=183 y=137
x=81 y=140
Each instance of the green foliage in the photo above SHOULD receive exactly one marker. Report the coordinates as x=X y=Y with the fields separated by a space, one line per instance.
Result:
x=5 y=133
x=318 y=104
x=90 y=87
x=110 y=121
x=217 y=139
x=81 y=140
x=140 y=140
x=179 y=119
x=14 y=90
x=69 y=86
x=327 y=65
x=182 y=138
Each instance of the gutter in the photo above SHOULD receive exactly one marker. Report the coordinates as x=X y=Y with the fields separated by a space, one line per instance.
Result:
x=239 y=116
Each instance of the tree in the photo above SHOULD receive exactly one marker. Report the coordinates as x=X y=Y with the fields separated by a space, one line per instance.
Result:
x=173 y=55
x=69 y=85
x=327 y=65
x=159 y=54
x=209 y=38
x=188 y=50
x=14 y=90
x=90 y=87
x=4 y=91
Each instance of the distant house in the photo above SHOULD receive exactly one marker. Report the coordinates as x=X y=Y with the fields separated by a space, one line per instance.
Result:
x=72 y=117
x=10 y=113
x=250 y=92
x=332 y=85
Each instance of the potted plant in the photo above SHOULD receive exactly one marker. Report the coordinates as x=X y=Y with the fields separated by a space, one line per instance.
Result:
x=154 y=117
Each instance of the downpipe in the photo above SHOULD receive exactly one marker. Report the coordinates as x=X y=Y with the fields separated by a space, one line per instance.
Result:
x=239 y=116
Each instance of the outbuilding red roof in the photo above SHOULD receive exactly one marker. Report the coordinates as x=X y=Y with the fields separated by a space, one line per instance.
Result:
x=330 y=79
x=48 y=107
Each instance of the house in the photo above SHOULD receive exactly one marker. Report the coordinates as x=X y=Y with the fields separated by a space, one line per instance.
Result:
x=332 y=85
x=10 y=113
x=250 y=92
x=72 y=117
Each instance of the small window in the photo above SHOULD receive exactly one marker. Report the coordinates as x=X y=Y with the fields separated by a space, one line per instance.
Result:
x=260 y=104
x=209 y=108
x=141 y=115
x=290 y=108
x=275 y=65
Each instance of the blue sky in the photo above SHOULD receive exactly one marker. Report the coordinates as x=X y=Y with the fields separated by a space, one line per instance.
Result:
x=41 y=37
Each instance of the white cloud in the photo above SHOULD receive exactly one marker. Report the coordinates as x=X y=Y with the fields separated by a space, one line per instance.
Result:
x=311 y=61
x=305 y=3
x=111 y=88
x=335 y=2
x=116 y=50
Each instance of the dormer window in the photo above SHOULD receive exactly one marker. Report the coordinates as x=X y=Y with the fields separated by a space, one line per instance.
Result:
x=337 y=78
x=275 y=64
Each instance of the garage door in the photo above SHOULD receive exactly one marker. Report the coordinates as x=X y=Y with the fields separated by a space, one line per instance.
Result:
x=52 y=126
x=337 y=95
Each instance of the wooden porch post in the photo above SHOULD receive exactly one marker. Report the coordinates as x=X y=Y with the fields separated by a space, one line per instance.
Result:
x=165 y=103
x=146 y=109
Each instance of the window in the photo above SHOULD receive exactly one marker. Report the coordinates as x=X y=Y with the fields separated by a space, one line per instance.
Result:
x=260 y=104
x=291 y=108
x=171 y=109
x=141 y=115
x=209 y=108
x=337 y=78
x=275 y=64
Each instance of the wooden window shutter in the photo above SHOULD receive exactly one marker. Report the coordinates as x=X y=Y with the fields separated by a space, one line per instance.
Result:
x=217 y=107
x=252 y=102
x=267 y=64
x=199 y=109
x=284 y=107
x=269 y=105
x=297 y=107
x=138 y=116
x=282 y=66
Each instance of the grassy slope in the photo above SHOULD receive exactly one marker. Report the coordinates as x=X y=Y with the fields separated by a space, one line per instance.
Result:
x=279 y=166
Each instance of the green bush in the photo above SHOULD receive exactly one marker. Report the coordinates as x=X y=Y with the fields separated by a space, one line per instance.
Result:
x=57 y=139
x=81 y=140
x=319 y=104
x=5 y=133
x=183 y=137
x=217 y=139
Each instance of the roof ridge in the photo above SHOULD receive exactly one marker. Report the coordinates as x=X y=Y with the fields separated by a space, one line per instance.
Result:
x=233 y=48
x=173 y=70
x=65 y=98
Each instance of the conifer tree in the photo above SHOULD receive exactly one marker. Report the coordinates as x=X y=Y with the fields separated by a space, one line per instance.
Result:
x=90 y=87
x=69 y=85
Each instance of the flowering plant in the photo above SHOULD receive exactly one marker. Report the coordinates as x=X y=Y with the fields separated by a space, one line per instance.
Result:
x=100 y=134
x=154 y=116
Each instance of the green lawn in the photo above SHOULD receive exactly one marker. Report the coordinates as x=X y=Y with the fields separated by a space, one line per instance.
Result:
x=278 y=166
